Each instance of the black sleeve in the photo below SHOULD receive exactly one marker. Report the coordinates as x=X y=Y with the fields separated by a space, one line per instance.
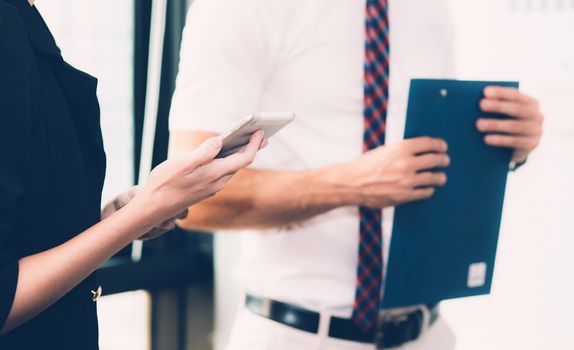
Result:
x=16 y=67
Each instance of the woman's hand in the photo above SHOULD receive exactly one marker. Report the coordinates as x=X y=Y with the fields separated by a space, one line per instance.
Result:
x=521 y=132
x=124 y=198
x=187 y=179
x=173 y=186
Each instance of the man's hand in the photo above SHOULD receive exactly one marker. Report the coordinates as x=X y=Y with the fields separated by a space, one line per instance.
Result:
x=396 y=174
x=521 y=133
x=124 y=198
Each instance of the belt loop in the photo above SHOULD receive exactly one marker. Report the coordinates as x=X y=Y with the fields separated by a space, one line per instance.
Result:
x=266 y=307
x=324 y=324
x=426 y=318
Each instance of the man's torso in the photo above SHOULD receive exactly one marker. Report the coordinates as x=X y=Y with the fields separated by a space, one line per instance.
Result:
x=309 y=60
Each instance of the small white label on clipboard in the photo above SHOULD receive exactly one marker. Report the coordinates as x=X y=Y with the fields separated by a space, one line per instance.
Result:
x=476 y=275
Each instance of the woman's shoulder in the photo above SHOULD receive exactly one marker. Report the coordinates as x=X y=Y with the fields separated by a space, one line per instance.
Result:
x=21 y=18
x=14 y=41
x=10 y=21
x=7 y=13
x=16 y=68
x=5 y=7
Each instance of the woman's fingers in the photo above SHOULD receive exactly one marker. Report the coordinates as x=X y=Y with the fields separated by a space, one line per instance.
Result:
x=183 y=214
x=235 y=162
x=264 y=143
x=119 y=202
x=203 y=154
x=219 y=171
x=206 y=175
x=164 y=227
x=255 y=143
x=208 y=150
x=219 y=184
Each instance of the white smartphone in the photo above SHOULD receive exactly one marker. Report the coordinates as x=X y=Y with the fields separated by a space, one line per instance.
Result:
x=236 y=138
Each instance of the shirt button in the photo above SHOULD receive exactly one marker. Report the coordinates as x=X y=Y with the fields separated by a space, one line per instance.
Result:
x=97 y=293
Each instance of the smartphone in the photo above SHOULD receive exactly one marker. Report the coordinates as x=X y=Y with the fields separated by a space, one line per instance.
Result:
x=235 y=139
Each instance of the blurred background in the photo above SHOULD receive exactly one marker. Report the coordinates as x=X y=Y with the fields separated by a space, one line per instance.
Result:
x=176 y=292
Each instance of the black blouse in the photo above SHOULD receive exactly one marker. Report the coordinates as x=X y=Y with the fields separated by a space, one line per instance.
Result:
x=52 y=167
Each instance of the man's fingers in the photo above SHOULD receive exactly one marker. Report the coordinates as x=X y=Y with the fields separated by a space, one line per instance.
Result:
x=516 y=127
x=430 y=161
x=507 y=94
x=507 y=141
x=424 y=186
x=430 y=179
x=420 y=194
x=426 y=144
x=513 y=109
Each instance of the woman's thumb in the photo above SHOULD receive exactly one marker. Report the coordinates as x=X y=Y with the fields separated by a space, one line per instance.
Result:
x=208 y=150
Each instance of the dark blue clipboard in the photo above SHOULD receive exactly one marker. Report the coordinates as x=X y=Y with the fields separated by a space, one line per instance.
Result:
x=445 y=247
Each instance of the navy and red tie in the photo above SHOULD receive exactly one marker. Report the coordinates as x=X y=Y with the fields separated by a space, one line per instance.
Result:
x=376 y=95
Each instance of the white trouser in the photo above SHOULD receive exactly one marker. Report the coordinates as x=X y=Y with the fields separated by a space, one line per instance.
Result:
x=252 y=332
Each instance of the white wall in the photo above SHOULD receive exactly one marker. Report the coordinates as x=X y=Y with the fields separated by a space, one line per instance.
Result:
x=97 y=36
x=531 y=303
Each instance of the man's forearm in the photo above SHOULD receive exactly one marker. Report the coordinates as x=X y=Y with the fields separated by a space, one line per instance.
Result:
x=257 y=199
x=260 y=199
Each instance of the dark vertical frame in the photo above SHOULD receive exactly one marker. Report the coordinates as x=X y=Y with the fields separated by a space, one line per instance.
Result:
x=182 y=312
x=142 y=20
x=176 y=10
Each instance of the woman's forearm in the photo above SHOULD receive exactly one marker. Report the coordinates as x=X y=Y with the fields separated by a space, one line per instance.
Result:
x=47 y=276
x=172 y=186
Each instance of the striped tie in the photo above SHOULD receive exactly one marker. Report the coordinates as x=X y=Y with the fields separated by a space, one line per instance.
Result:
x=376 y=95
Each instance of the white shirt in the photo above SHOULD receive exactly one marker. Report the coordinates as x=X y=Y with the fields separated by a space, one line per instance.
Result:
x=306 y=57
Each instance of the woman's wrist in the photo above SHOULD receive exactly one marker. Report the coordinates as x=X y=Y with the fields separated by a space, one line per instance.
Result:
x=142 y=213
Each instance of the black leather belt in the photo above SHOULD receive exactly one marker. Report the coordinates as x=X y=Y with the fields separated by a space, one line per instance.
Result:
x=391 y=331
